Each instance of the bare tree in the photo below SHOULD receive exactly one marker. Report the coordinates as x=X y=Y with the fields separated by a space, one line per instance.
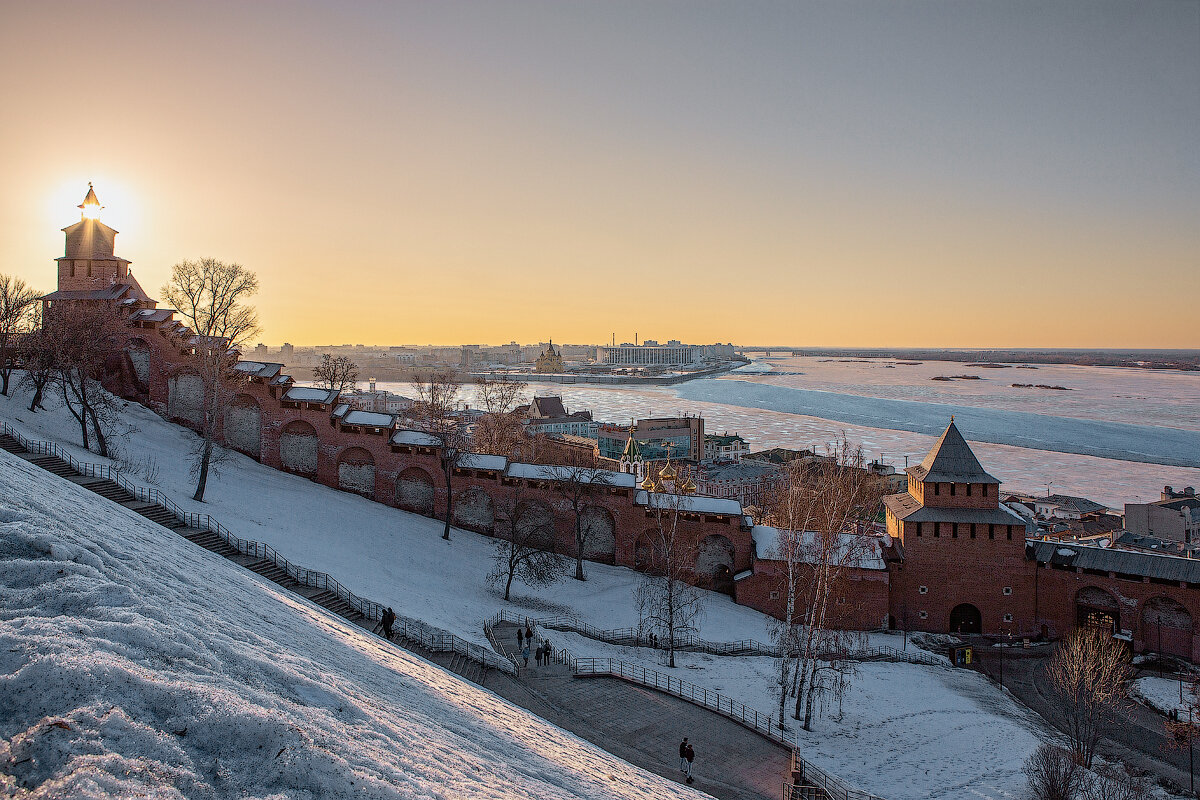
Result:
x=499 y=431
x=667 y=600
x=211 y=297
x=1088 y=672
x=579 y=483
x=37 y=354
x=1111 y=782
x=1054 y=774
x=336 y=372
x=18 y=303
x=524 y=547
x=500 y=395
x=435 y=410
x=833 y=501
x=78 y=338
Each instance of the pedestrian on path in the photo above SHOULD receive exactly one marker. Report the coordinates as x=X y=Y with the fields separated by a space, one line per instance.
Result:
x=541 y=651
x=690 y=756
x=547 y=653
x=683 y=746
x=520 y=638
x=386 y=623
x=525 y=652
x=529 y=634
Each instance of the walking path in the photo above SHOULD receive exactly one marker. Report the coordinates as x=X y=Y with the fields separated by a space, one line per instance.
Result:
x=644 y=727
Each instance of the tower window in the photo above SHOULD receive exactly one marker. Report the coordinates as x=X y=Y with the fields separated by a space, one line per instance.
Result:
x=972 y=530
x=952 y=487
x=991 y=531
x=1008 y=617
x=968 y=490
x=984 y=490
x=937 y=533
x=1007 y=590
x=923 y=614
x=923 y=590
x=937 y=488
x=954 y=530
x=918 y=528
x=1008 y=529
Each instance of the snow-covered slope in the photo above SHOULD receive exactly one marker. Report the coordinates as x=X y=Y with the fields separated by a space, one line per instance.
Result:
x=134 y=663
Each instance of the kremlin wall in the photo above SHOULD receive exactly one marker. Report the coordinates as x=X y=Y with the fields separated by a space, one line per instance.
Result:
x=955 y=559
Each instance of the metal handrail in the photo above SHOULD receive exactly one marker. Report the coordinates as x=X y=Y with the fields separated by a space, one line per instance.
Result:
x=692 y=643
x=430 y=637
x=729 y=708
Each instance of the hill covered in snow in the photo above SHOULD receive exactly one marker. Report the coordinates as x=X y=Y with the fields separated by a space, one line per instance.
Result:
x=134 y=663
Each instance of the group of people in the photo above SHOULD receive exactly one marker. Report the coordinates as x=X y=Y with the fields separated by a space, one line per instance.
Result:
x=544 y=652
x=687 y=754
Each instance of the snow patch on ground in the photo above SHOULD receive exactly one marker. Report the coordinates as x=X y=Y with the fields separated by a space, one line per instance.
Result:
x=1161 y=694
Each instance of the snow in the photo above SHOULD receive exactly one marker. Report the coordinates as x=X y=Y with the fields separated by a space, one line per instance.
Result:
x=541 y=472
x=929 y=729
x=480 y=461
x=416 y=438
x=694 y=503
x=859 y=551
x=309 y=394
x=1161 y=694
x=374 y=418
x=136 y=664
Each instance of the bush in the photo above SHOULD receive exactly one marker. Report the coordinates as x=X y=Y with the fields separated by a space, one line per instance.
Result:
x=1054 y=774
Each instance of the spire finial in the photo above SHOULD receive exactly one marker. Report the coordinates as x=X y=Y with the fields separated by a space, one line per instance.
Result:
x=90 y=205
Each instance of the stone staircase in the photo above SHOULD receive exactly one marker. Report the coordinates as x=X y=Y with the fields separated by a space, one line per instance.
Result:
x=465 y=667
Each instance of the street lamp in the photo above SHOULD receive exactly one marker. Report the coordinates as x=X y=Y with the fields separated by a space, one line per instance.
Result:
x=449 y=456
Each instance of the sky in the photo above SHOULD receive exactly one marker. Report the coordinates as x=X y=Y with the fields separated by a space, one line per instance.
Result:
x=958 y=174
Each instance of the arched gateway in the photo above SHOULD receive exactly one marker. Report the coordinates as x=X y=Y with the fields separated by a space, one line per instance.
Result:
x=965 y=618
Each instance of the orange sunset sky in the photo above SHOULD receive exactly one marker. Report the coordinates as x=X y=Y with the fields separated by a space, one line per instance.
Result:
x=837 y=173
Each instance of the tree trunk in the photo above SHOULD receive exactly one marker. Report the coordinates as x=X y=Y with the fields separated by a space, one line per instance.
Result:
x=446 y=533
x=205 y=460
x=508 y=585
x=4 y=378
x=101 y=441
x=36 y=402
x=579 y=576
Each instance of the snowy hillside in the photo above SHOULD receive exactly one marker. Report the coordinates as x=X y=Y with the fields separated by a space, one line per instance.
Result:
x=134 y=663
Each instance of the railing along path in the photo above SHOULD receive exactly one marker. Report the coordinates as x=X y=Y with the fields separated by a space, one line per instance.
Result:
x=632 y=637
x=430 y=637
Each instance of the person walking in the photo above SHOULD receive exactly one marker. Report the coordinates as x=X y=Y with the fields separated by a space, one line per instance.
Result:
x=529 y=634
x=547 y=652
x=525 y=652
x=389 y=619
x=683 y=746
x=520 y=638
x=540 y=652
x=690 y=755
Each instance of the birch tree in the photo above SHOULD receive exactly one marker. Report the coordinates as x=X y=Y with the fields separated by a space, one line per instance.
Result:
x=667 y=601
x=836 y=498
x=211 y=297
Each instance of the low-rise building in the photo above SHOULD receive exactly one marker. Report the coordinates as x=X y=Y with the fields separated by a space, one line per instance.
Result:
x=725 y=447
x=548 y=415
x=1175 y=516
x=751 y=482
x=659 y=438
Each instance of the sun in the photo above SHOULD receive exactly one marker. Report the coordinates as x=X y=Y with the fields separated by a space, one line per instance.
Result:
x=91 y=211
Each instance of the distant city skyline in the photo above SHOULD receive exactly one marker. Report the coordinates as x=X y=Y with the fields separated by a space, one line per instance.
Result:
x=911 y=174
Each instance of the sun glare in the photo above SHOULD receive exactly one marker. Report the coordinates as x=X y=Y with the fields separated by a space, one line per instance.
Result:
x=91 y=211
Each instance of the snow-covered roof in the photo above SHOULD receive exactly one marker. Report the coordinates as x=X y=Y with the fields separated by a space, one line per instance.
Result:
x=419 y=438
x=341 y=410
x=372 y=418
x=545 y=472
x=853 y=549
x=690 y=502
x=481 y=461
x=310 y=394
x=259 y=369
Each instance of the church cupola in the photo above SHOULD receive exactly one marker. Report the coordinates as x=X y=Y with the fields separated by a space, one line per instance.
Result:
x=90 y=267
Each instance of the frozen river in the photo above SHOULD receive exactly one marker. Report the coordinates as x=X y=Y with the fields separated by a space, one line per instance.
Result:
x=1117 y=435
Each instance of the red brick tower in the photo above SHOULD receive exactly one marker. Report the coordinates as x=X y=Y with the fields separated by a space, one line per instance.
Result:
x=89 y=262
x=963 y=566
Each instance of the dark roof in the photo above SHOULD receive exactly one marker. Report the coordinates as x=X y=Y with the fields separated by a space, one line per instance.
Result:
x=113 y=292
x=1180 y=504
x=951 y=461
x=908 y=508
x=1080 y=504
x=738 y=470
x=1109 y=559
x=151 y=315
x=547 y=407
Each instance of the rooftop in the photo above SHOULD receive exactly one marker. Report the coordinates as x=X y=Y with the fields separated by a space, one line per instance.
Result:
x=951 y=461
x=853 y=550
